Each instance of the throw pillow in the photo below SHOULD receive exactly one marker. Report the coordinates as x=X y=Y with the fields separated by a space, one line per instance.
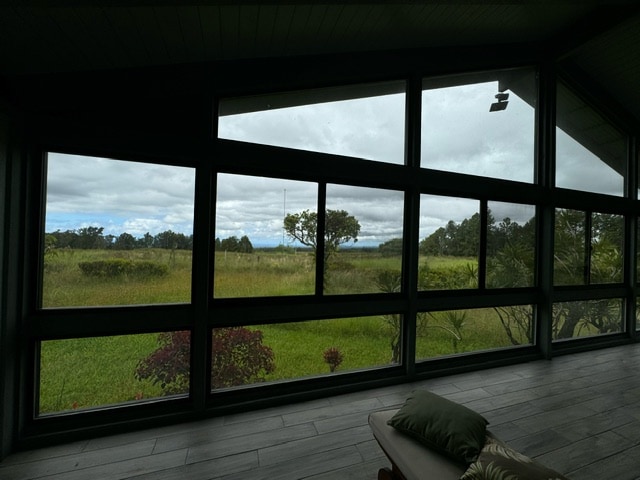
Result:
x=497 y=461
x=442 y=425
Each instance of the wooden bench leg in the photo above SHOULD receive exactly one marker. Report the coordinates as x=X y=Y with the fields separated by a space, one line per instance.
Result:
x=390 y=474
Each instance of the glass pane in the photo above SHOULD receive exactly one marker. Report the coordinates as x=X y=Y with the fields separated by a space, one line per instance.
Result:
x=83 y=373
x=586 y=318
x=607 y=245
x=255 y=257
x=364 y=121
x=363 y=240
x=269 y=353
x=460 y=331
x=590 y=152
x=569 y=265
x=117 y=232
x=450 y=241
x=480 y=124
x=511 y=239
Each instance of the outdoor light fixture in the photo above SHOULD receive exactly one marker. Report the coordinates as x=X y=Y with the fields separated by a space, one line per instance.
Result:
x=501 y=104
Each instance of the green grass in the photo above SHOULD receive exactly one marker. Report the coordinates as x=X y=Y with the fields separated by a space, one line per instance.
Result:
x=83 y=373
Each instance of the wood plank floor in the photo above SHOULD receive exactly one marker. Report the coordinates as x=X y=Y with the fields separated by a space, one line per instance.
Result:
x=579 y=414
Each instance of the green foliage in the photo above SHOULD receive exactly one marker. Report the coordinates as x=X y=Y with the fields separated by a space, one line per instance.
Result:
x=238 y=358
x=333 y=357
x=118 y=267
x=340 y=228
x=391 y=248
x=232 y=244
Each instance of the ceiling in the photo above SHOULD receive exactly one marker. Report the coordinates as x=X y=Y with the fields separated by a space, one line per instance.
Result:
x=596 y=40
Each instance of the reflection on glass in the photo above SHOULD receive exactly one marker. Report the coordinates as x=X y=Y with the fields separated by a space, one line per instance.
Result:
x=363 y=121
x=363 y=245
x=569 y=261
x=449 y=243
x=602 y=262
x=116 y=232
x=290 y=351
x=453 y=332
x=607 y=245
x=480 y=124
x=83 y=373
x=255 y=257
x=586 y=318
x=511 y=235
x=590 y=152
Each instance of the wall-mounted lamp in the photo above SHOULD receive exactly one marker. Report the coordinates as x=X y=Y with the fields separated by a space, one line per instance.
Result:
x=501 y=104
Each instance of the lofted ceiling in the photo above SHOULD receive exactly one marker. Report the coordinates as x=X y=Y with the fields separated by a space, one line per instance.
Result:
x=597 y=40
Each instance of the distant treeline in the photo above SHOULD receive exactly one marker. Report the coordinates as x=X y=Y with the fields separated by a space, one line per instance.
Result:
x=87 y=238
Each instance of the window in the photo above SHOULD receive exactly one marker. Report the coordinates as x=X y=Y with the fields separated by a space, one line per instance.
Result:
x=449 y=242
x=116 y=232
x=84 y=373
x=255 y=256
x=452 y=332
x=587 y=318
x=480 y=124
x=365 y=262
x=590 y=152
x=587 y=248
x=363 y=121
x=278 y=352
x=511 y=246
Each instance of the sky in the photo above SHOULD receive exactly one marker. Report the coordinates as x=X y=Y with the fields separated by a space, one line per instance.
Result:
x=458 y=134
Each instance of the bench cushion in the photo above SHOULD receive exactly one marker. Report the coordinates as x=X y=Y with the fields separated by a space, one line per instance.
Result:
x=410 y=456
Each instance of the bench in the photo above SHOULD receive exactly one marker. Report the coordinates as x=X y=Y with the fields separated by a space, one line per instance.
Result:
x=412 y=459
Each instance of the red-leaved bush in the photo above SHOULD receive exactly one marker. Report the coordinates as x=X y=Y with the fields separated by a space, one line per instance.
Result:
x=238 y=358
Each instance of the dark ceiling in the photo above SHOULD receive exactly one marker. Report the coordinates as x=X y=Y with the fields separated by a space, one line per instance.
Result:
x=596 y=40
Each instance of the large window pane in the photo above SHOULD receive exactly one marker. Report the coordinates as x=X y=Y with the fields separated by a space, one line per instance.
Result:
x=370 y=261
x=480 y=124
x=255 y=256
x=590 y=152
x=364 y=121
x=83 y=373
x=117 y=232
x=511 y=236
x=269 y=353
x=461 y=331
x=586 y=318
x=449 y=242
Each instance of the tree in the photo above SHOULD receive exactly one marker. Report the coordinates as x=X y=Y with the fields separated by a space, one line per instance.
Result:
x=340 y=228
x=391 y=248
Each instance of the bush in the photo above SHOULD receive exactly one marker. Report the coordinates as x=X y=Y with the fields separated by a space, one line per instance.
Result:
x=238 y=358
x=116 y=267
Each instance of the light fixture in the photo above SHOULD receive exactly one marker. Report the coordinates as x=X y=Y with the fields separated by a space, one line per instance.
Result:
x=501 y=104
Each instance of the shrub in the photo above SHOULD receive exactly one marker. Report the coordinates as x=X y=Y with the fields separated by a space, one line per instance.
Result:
x=238 y=358
x=116 y=267
x=333 y=357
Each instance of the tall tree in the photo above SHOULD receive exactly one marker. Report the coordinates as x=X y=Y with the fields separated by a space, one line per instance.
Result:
x=340 y=228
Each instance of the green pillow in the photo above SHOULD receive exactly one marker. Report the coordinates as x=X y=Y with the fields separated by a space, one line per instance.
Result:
x=497 y=460
x=442 y=425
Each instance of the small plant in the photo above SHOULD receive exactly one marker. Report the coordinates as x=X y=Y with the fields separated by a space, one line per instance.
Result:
x=333 y=356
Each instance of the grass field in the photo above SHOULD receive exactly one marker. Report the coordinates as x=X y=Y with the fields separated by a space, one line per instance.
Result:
x=84 y=373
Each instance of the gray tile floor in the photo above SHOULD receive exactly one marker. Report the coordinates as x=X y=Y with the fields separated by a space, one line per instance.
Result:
x=579 y=414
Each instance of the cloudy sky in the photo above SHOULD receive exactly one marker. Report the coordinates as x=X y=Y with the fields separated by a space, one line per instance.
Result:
x=459 y=134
